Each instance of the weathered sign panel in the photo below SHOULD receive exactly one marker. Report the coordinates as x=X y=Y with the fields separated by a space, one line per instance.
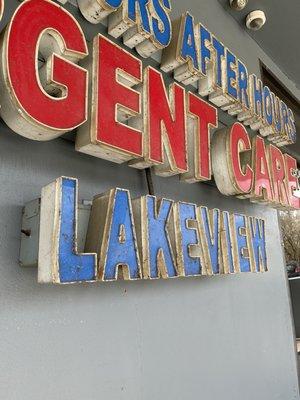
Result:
x=52 y=82
x=144 y=238
x=126 y=113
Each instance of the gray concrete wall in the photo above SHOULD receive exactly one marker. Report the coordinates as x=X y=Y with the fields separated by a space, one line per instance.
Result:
x=228 y=337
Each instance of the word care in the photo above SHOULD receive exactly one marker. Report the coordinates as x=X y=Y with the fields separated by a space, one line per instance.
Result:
x=144 y=238
x=125 y=113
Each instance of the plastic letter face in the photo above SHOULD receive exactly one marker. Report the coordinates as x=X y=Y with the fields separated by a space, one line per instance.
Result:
x=205 y=52
x=188 y=49
x=44 y=26
x=161 y=260
x=258 y=237
x=190 y=239
x=240 y=143
x=147 y=238
x=210 y=229
x=121 y=247
x=115 y=104
x=242 y=244
x=59 y=261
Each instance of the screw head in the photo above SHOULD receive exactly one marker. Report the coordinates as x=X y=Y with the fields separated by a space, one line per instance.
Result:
x=238 y=4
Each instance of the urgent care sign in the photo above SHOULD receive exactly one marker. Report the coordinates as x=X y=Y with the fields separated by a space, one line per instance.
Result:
x=52 y=82
x=127 y=114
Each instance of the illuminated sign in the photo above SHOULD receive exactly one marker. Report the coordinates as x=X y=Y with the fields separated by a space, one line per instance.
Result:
x=126 y=114
x=144 y=238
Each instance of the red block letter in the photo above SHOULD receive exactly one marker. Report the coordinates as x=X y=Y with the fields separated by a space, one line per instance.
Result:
x=202 y=117
x=43 y=104
x=262 y=184
x=165 y=130
x=231 y=155
x=278 y=175
x=114 y=103
x=240 y=143
x=291 y=181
